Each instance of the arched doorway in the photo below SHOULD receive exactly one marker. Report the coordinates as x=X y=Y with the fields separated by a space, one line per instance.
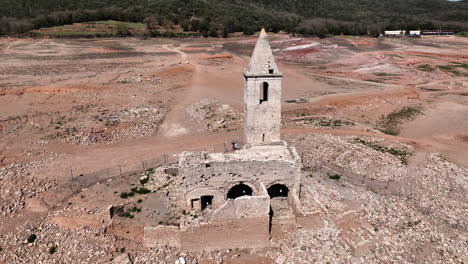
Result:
x=238 y=191
x=278 y=190
x=279 y=206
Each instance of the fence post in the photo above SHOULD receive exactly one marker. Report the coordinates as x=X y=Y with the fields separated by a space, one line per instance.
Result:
x=71 y=172
x=120 y=167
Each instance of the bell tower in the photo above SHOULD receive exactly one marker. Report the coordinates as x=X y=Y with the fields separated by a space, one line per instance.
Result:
x=262 y=96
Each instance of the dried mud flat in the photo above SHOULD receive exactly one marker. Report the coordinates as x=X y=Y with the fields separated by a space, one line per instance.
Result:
x=81 y=120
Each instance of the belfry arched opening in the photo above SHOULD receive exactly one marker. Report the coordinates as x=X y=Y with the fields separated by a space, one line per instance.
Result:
x=238 y=191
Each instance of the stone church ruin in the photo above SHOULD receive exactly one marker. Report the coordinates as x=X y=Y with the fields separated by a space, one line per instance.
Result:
x=242 y=198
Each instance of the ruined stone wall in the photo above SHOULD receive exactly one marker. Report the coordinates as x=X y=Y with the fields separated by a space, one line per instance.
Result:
x=262 y=120
x=239 y=223
x=237 y=233
x=216 y=178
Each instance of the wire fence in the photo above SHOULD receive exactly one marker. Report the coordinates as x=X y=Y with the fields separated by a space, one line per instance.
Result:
x=86 y=180
x=81 y=180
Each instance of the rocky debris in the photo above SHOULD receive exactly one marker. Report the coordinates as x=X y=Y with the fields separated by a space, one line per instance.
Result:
x=83 y=245
x=280 y=259
x=140 y=78
x=421 y=217
x=17 y=185
x=215 y=116
x=180 y=260
x=317 y=246
x=345 y=154
x=322 y=122
x=140 y=121
x=122 y=259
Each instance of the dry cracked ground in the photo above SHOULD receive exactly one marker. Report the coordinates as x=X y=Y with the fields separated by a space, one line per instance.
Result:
x=381 y=125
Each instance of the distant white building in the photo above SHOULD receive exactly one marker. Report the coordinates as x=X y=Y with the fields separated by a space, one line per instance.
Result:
x=415 y=32
x=394 y=32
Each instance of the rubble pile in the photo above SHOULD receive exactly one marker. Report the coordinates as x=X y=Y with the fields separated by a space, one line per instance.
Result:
x=215 y=116
x=322 y=122
x=17 y=186
x=421 y=219
x=83 y=245
x=140 y=79
x=141 y=121
x=345 y=154
x=318 y=246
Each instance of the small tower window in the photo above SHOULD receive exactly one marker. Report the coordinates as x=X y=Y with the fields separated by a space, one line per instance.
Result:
x=271 y=71
x=263 y=92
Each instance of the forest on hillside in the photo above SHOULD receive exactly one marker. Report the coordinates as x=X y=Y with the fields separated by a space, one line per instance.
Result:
x=221 y=17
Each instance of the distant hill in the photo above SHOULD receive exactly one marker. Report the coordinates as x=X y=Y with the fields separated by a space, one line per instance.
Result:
x=221 y=17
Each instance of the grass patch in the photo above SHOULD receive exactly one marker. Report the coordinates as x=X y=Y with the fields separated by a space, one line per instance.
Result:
x=450 y=69
x=453 y=68
x=402 y=155
x=390 y=124
x=460 y=65
x=374 y=81
x=383 y=74
x=75 y=33
x=113 y=23
x=426 y=68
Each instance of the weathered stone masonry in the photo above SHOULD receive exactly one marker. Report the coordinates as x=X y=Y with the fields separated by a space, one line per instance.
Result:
x=240 y=198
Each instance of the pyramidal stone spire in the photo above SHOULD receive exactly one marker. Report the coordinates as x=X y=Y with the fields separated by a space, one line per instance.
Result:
x=262 y=61
x=262 y=96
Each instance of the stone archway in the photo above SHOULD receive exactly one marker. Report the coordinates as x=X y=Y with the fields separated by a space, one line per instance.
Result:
x=278 y=190
x=239 y=190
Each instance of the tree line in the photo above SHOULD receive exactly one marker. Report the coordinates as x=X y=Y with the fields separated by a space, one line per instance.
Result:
x=218 y=18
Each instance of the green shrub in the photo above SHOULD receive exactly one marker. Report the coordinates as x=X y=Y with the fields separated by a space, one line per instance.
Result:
x=425 y=67
x=335 y=176
x=144 y=181
x=120 y=29
x=52 y=250
x=32 y=238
